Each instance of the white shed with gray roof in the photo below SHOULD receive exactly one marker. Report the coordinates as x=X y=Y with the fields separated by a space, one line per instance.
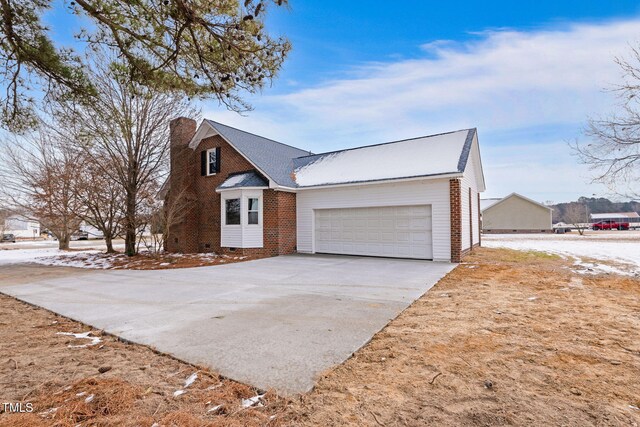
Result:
x=515 y=213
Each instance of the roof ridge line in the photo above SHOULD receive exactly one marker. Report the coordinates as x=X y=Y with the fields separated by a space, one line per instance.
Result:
x=385 y=143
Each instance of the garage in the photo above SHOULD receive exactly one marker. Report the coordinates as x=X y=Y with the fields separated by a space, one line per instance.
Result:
x=388 y=231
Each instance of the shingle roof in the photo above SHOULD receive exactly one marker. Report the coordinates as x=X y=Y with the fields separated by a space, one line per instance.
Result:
x=288 y=166
x=273 y=158
x=485 y=203
x=514 y=195
x=243 y=180
x=440 y=154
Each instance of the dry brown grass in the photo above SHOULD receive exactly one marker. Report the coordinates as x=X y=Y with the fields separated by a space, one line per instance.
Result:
x=557 y=348
x=39 y=367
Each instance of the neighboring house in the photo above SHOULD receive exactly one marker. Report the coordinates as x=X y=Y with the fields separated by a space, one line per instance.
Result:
x=630 y=217
x=93 y=232
x=22 y=227
x=415 y=198
x=515 y=214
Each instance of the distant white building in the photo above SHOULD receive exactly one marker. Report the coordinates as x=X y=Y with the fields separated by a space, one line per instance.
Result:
x=22 y=227
x=630 y=217
x=92 y=231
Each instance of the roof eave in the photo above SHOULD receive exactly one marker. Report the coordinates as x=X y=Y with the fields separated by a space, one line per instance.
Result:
x=517 y=195
x=384 y=181
x=220 y=190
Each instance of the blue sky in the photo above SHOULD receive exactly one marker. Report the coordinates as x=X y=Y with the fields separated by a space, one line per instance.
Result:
x=332 y=36
x=526 y=74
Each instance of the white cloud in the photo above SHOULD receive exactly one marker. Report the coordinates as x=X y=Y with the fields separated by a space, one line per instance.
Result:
x=502 y=80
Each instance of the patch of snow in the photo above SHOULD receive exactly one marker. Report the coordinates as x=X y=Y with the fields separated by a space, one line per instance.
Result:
x=532 y=298
x=252 y=401
x=84 y=335
x=235 y=180
x=620 y=247
x=165 y=263
x=592 y=268
x=214 y=409
x=413 y=157
x=190 y=380
x=82 y=393
x=89 y=398
x=178 y=393
x=84 y=259
x=17 y=256
x=48 y=411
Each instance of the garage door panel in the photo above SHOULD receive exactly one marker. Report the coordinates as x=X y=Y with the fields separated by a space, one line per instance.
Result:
x=398 y=231
x=418 y=224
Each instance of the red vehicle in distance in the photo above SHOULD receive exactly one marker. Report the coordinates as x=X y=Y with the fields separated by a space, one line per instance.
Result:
x=610 y=225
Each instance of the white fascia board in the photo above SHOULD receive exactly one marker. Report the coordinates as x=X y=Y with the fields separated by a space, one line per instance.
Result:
x=222 y=190
x=385 y=181
x=205 y=130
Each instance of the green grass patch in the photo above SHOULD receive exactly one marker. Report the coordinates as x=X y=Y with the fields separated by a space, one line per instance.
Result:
x=514 y=255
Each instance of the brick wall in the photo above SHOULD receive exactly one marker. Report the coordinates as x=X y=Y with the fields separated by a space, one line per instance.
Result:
x=182 y=236
x=200 y=230
x=279 y=226
x=209 y=220
x=455 y=201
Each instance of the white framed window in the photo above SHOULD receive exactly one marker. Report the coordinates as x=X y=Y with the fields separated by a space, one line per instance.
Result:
x=212 y=161
x=253 y=211
x=232 y=212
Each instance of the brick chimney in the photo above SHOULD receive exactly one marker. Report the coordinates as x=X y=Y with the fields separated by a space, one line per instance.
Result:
x=183 y=236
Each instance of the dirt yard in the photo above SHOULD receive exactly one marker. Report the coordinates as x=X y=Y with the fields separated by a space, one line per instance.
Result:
x=511 y=338
x=508 y=338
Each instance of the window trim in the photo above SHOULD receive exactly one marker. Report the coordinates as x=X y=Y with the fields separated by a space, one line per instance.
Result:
x=208 y=162
x=258 y=210
x=239 y=224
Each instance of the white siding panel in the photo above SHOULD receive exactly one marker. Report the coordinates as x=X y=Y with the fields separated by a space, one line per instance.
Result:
x=252 y=235
x=231 y=236
x=469 y=180
x=427 y=192
x=243 y=235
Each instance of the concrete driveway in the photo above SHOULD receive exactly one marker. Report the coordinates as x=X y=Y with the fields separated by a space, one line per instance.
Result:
x=273 y=323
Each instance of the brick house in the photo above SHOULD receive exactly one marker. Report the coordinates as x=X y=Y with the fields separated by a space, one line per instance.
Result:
x=415 y=198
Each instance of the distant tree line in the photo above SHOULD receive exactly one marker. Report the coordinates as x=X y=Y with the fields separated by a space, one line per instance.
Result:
x=564 y=212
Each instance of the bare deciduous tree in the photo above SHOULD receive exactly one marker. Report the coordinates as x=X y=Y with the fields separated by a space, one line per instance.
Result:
x=578 y=216
x=102 y=199
x=40 y=178
x=4 y=216
x=613 y=152
x=168 y=210
x=125 y=130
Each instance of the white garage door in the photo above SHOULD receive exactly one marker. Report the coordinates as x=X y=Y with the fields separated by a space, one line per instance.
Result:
x=394 y=231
